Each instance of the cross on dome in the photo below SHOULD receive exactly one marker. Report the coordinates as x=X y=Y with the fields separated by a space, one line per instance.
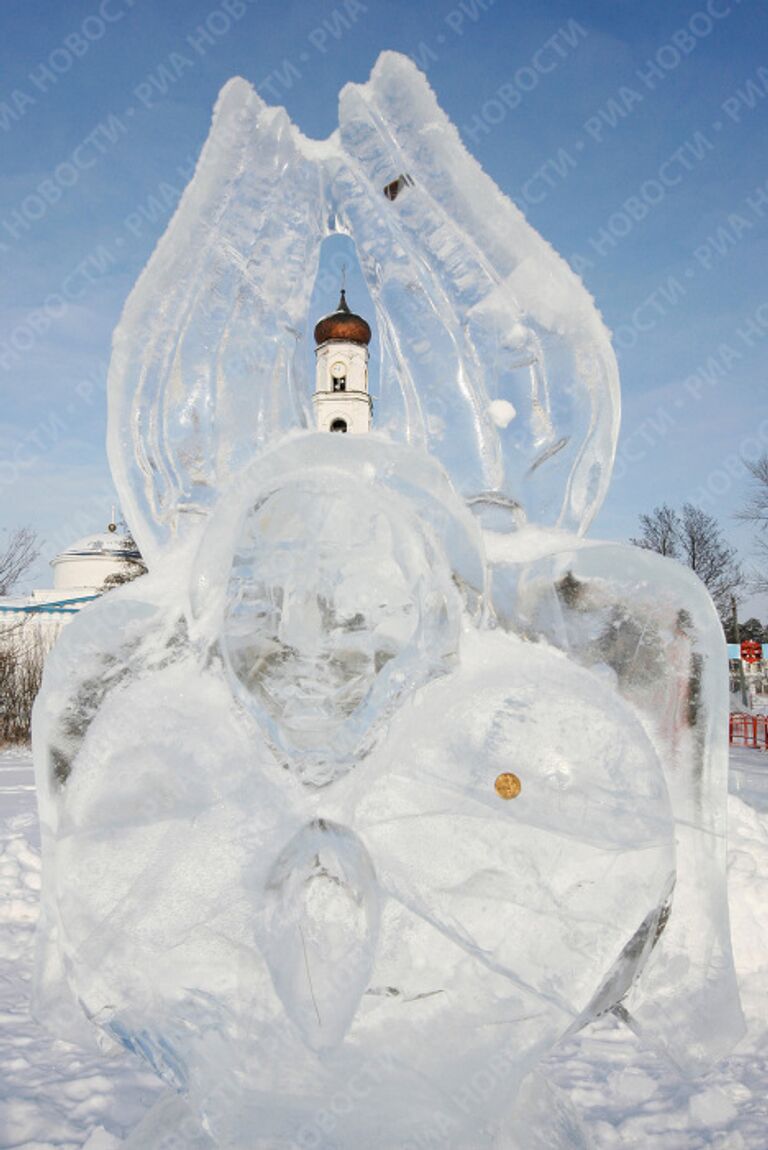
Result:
x=342 y=324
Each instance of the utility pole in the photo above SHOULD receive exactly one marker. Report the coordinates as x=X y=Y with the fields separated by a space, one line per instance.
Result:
x=742 y=680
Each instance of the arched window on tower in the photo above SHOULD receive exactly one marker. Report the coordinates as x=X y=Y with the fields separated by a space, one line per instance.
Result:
x=339 y=425
x=338 y=383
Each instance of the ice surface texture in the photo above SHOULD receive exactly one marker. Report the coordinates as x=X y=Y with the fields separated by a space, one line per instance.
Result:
x=649 y=626
x=341 y=597
x=494 y=357
x=277 y=863
x=270 y=935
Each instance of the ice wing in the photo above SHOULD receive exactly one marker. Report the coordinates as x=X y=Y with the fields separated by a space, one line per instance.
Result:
x=204 y=369
x=498 y=338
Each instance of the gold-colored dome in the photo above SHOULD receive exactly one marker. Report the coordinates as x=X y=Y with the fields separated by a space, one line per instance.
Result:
x=342 y=324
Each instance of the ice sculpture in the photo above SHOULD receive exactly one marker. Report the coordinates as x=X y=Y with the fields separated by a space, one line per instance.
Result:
x=382 y=779
x=494 y=357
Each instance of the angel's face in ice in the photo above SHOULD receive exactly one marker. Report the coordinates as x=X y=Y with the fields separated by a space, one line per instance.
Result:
x=317 y=644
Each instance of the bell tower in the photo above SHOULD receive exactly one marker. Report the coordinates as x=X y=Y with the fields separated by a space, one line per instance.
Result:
x=341 y=398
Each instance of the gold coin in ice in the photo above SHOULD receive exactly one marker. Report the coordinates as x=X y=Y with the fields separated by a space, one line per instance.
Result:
x=507 y=785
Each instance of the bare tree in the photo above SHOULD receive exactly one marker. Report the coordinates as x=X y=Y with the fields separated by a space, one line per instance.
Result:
x=21 y=664
x=706 y=552
x=19 y=554
x=756 y=511
x=21 y=673
x=695 y=538
x=661 y=530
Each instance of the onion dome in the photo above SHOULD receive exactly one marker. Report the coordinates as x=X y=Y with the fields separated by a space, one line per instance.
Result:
x=342 y=324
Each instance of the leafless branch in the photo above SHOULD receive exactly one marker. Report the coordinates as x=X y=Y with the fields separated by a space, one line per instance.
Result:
x=19 y=554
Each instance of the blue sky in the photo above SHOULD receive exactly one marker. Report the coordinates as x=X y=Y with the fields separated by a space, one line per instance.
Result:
x=631 y=132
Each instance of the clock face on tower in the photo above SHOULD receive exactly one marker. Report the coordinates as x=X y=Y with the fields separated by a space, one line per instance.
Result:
x=339 y=369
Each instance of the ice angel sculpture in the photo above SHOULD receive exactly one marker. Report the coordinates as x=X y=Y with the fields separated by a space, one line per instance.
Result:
x=494 y=359
x=382 y=779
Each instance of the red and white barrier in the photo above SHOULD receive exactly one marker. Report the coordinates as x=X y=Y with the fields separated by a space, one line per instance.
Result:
x=748 y=731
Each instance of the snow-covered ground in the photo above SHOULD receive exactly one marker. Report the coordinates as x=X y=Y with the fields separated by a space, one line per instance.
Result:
x=51 y=1094
x=55 y=1095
